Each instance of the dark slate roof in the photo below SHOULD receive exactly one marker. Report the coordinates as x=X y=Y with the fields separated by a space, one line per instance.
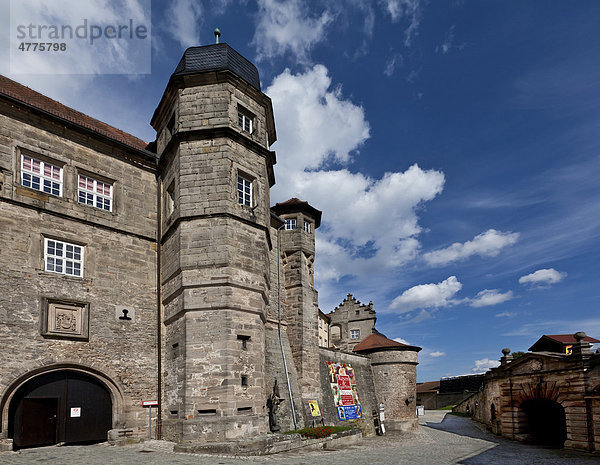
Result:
x=23 y=94
x=217 y=57
x=295 y=205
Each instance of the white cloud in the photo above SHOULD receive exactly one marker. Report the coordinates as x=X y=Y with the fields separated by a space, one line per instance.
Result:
x=543 y=277
x=505 y=315
x=401 y=341
x=427 y=296
x=411 y=9
x=447 y=45
x=319 y=132
x=286 y=26
x=437 y=354
x=489 y=297
x=485 y=364
x=487 y=244
x=392 y=63
x=183 y=21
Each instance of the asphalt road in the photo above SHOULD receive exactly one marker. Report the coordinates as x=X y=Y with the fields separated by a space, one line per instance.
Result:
x=441 y=439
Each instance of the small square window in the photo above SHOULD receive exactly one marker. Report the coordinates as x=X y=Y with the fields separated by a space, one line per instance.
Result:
x=244 y=340
x=290 y=224
x=62 y=257
x=41 y=176
x=358 y=312
x=244 y=189
x=354 y=333
x=95 y=193
x=244 y=380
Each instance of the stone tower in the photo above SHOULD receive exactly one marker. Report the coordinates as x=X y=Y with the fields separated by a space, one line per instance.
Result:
x=214 y=128
x=394 y=367
x=351 y=322
x=297 y=255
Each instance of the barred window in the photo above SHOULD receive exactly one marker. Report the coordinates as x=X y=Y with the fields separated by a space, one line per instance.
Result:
x=95 y=193
x=290 y=224
x=244 y=188
x=354 y=333
x=41 y=176
x=62 y=257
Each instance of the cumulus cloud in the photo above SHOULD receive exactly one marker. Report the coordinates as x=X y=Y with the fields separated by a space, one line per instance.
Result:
x=543 y=278
x=489 y=297
x=319 y=133
x=286 y=26
x=410 y=9
x=427 y=296
x=484 y=365
x=437 y=354
x=486 y=244
x=183 y=21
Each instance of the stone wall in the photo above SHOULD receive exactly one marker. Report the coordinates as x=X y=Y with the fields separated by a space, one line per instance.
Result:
x=119 y=268
x=364 y=384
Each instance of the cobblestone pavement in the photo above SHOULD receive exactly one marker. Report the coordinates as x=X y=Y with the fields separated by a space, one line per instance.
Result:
x=440 y=440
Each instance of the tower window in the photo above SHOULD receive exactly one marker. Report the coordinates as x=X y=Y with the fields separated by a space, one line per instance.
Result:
x=170 y=200
x=244 y=380
x=307 y=227
x=290 y=224
x=244 y=188
x=171 y=125
x=244 y=340
x=354 y=333
x=245 y=121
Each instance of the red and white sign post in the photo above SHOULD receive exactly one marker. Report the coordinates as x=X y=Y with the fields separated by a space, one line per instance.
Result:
x=149 y=404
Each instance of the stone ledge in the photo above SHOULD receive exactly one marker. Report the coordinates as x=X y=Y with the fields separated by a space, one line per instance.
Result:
x=272 y=444
x=6 y=445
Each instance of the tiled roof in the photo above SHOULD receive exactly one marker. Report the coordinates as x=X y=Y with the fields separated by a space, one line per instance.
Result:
x=568 y=338
x=429 y=386
x=377 y=341
x=16 y=91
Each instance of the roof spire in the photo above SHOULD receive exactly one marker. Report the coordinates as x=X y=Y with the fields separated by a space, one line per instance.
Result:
x=217 y=35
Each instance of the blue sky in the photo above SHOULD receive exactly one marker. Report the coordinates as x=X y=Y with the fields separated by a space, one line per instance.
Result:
x=453 y=147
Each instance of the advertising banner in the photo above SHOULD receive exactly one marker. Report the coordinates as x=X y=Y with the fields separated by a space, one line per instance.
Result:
x=343 y=387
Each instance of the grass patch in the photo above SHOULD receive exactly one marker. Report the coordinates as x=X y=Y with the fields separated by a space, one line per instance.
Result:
x=319 y=431
x=447 y=407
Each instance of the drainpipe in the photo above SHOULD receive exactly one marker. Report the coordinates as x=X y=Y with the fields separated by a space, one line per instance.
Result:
x=158 y=312
x=287 y=377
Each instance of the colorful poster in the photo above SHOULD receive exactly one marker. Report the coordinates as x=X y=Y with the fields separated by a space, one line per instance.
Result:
x=343 y=387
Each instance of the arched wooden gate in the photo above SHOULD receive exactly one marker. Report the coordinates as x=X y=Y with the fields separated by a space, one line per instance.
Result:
x=60 y=407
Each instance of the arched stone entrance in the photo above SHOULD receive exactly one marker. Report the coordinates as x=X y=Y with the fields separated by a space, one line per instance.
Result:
x=544 y=422
x=61 y=406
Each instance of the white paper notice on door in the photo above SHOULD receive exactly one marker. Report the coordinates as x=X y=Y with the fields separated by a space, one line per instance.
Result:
x=75 y=412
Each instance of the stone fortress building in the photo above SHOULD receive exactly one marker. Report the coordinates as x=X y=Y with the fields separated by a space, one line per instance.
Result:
x=548 y=396
x=135 y=272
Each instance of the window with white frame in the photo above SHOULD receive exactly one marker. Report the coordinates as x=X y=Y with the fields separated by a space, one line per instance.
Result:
x=307 y=227
x=354 y=333
x=290 y=224
x=41 y=176
x=62 y=257
x=245 y=121
x=95 y=193
x=244 y=188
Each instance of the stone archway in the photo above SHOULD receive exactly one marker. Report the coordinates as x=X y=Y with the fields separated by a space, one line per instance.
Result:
x=544 y=422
